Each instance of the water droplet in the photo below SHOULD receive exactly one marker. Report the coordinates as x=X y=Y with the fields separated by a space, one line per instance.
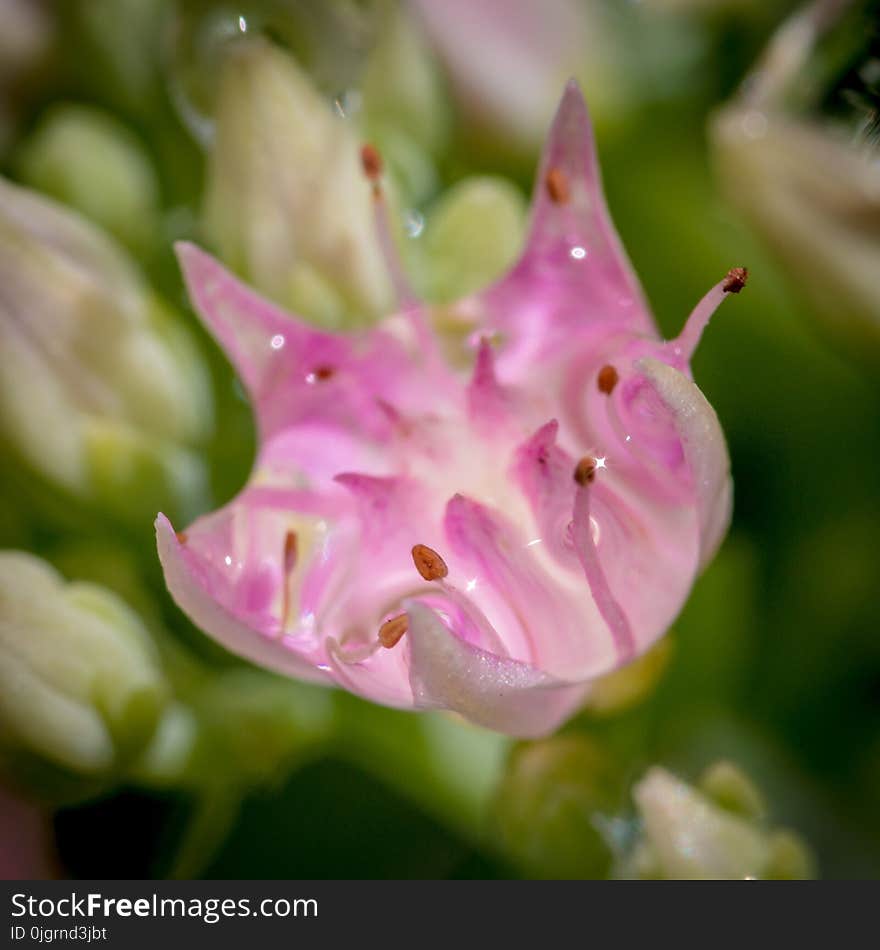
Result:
x=414 y=223
x=277 y=341
x=347 y=104
x=578 y=253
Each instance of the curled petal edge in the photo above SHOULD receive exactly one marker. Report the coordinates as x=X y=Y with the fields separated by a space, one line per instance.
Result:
x=704 y=449
x=230 y=632
x=489 y=690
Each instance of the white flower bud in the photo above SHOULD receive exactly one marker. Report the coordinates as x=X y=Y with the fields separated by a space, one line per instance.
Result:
x=80 y=684
x=102 y=391
x=287 y=202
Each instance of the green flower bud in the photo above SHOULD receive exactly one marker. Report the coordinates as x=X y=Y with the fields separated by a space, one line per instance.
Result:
x=89 y=160
x=686 y=835
x=80 y=686
x=472 y=234
x=731 y=788
x=632 y=684
x=553 y=806
x=255 y=726
x=401 y=86
x=287 y=203
x=102 y=391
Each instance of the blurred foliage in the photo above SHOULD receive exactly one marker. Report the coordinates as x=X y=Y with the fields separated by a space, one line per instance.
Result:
x=109 y=106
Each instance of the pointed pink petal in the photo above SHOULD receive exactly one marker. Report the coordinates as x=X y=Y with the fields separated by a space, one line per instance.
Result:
x=492 y=691
x=573 y=279
x=489 y=404
x=559 y=230
x=293 y=372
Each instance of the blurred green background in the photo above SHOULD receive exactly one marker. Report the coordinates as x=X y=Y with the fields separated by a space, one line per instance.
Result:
x=148 y=120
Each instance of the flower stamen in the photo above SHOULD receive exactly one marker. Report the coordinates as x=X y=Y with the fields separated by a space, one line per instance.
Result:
x=371 y=162
x=291 y=547
x=557 y=186
x=391 y=632
x=685 y=344
x=428 y=563
x=609 y=607
x=607 y=379
x=735 y=280
x=585 y=470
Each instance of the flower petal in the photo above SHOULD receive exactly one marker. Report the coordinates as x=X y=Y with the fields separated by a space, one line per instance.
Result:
x=574 y=275
x=547 y=617
x=187 y=586
x=492 y=691
x=704 y=450
x=293 y=372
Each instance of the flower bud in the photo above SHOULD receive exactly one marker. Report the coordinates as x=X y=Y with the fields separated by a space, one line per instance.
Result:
x=287 y=203
x=401 y=82
x=472 y=235
x=627 y=687
x=797 y=153
x=80 y=686
x=552 y=806
x=102 y=391
x=89 y=160
x=688 y=834
x=234 y=707
x=815 y=200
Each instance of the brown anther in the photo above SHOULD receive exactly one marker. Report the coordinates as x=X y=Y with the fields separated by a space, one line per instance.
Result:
x=290 y=551
x=429 y=563
x=371 y=161
x=607 y=379
x=735 y=280
x=557 y=186
x=323 y=372
x=182 y=537
x=585 y=470
x=392 y=630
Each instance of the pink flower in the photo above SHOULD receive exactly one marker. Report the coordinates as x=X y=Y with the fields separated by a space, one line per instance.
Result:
x=483 y=525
